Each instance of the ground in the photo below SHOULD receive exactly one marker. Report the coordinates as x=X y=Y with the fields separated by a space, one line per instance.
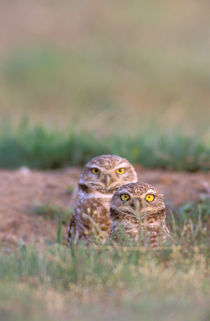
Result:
x=22 y=191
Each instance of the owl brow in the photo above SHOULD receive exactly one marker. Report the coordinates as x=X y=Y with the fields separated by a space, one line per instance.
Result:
x=124 y=165
x=94 y=166
x=150 y=191
x=124 y=192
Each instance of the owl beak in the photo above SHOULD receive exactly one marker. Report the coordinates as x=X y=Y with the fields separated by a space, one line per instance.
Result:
x=107 y=180
x=135 y=204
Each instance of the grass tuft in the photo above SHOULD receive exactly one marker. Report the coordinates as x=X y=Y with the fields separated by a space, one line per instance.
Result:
x=41 y=148
x=55 y=282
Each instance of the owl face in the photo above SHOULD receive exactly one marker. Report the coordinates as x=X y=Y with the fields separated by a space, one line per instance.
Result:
x=137 y=199
x=107 y=173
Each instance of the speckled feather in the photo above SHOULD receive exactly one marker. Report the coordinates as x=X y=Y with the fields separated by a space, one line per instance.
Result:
x=138 y=218
x=91 y=212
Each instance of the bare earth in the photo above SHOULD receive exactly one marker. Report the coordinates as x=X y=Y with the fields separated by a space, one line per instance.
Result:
x=22 y=190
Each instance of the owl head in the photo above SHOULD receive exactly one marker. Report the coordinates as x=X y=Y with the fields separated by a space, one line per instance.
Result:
x=107 y=173
x=136 y=199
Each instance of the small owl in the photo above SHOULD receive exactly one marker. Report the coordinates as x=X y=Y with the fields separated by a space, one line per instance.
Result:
x=138 y=211
x=99 y=179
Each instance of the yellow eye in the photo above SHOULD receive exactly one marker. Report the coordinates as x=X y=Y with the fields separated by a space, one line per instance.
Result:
x=150 y=197
x=95 y=171
x=124 y=197
x=120 y=171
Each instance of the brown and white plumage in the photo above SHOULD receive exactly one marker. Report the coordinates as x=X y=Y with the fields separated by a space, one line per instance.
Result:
x=138 y=211
x=99 y=179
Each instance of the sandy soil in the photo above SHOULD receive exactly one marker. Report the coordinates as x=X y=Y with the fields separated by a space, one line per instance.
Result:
x=23 y=190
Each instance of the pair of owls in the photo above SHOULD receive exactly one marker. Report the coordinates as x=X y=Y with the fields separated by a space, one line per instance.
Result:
x=110 y=202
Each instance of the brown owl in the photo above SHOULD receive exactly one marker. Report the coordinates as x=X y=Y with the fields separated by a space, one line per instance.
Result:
x=138 y=211
x=99 y=179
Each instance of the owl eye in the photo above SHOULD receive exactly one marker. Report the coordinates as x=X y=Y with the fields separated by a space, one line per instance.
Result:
x=124 y=197
x=150 y=197
x=120 y=171
x=95 y=171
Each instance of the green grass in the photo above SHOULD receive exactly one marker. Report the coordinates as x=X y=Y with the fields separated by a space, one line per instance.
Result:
x=54 y=282
x=51 y=212
x=41 y=148
x=194 y=210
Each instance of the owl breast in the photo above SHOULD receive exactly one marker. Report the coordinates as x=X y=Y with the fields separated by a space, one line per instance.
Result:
x=90 y=217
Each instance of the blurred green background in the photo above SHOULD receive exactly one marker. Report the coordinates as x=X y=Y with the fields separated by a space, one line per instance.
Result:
x=106 y=66
x=116 y=68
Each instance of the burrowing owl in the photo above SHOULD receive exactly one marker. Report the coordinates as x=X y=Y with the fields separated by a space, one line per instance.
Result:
x=99 y=179
x=138 y=210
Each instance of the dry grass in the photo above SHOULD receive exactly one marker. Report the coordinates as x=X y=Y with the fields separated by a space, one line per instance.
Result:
x=56 y=283
x=111 y=281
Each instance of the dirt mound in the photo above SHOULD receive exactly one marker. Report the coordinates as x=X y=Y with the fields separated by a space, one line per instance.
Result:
x=23 y=190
